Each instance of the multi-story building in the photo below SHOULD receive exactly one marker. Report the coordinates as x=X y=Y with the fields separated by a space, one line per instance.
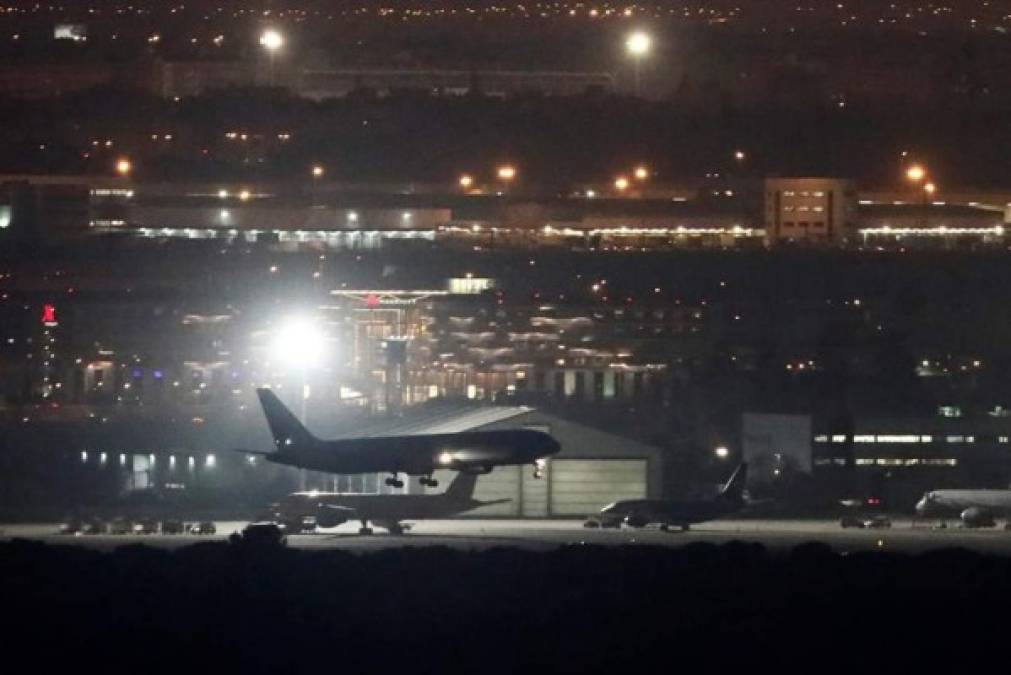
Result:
x=813 y=211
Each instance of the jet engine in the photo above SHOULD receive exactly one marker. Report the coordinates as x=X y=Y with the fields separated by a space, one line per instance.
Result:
x=976 y=516
x=636 y=520
x=330 y=518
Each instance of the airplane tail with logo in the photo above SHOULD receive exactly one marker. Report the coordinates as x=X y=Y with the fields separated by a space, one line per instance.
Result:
x=733 y=490
x=287 y=431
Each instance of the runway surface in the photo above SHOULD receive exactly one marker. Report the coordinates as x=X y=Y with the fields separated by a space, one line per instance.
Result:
x=904 y=536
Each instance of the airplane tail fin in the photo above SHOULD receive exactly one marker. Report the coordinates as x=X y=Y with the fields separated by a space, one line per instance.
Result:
x=462 y=487
x=734 y=487
x=284 y=426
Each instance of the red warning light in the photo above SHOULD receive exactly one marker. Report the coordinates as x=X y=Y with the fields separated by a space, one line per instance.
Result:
x=372 y=301
x=49 y=315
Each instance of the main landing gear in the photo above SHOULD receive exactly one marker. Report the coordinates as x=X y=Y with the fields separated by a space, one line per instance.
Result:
x=428 y=481
x=394 y=482
x=365 y=529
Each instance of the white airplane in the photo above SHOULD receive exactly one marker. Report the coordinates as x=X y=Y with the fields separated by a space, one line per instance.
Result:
x=976 y=508
x=329 y=509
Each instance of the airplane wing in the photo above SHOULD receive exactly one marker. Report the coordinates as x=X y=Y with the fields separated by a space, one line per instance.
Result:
x=492 y=501
x=342 y=509
x=244 y=451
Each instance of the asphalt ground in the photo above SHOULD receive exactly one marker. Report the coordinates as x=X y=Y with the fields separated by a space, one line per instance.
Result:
x=465 y=534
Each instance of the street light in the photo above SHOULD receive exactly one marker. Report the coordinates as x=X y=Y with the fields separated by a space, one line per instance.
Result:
x=641 y=173
x=722 y=452
x=124 y=167
x=506 y=172
x=466 y=181
x=638 y=45
x=620 y=183
x=916 y=173
x=740 y=156
x=272 y=41
x=318 y=171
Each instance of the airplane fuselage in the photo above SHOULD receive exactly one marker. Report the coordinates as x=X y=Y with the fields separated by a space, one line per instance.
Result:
x=953 y=502
x=375 y=507
x=477 y=451
x=667 y=512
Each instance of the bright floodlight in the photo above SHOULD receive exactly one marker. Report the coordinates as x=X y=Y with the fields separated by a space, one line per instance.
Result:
x=641 y=173
x=722 y=452
x=466 y=181
x=620 y=183
x=124 y=167
x=271 y=40
x=299 y=342
x=930 y=188
x=638 y=44
x=318 y=170
x=506 y=172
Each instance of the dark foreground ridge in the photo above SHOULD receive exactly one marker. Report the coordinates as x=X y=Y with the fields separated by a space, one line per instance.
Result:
x=578 y=609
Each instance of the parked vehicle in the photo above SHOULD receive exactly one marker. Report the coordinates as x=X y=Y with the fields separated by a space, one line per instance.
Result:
x=172 y=527
x=877 y=522
x=851 y=521
x=120 y=525
x=261 y=534
x=203 y=527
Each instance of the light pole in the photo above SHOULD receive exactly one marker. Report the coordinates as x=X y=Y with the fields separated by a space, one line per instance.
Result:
x=506 y=173
x=299 y=343
x=272 y=41
x=318 y=171
x=638 y=45
x=916 y=174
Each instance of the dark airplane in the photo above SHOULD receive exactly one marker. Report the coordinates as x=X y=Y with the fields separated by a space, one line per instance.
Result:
x=418 y=455
x=303 y=511
x=641 y=512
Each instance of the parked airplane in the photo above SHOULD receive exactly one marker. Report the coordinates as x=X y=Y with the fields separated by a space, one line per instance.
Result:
x=641 y=512
x=416 y=455
x=329 y=509
x=976 y=508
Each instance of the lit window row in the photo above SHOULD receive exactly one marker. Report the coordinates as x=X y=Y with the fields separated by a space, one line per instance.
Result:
x=210 y=461
x=900 y=438
x=803 y=193
x=905 y=461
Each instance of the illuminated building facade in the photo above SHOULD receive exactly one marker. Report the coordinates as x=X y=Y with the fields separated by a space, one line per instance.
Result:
x=811 y=211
